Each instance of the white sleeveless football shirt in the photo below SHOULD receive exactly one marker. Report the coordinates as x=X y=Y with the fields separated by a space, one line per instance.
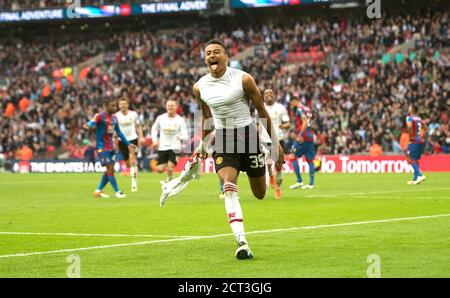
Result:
x=226 y=99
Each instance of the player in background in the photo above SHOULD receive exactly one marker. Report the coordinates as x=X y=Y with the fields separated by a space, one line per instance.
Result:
x=417 y=129
x=172 y=130
x=304 y=146
x=224 y=96
x=129 y=124
x=280 y=120
x=106 y=124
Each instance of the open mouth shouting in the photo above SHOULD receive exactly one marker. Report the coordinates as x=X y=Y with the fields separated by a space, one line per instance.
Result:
x=214 y=64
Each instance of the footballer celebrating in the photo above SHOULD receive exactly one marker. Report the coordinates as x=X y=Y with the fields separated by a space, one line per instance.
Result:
x=172 y=130
x=106 y=124
x=417 y=129
x=131 y=127
x=224 y=96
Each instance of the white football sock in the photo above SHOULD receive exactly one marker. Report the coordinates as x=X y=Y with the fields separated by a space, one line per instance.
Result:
x=234 y=211
x=133 y=174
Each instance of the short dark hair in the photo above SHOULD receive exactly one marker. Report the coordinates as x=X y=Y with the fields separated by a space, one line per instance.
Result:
x=414 y=108
x=218 y=42
x=123 y=98
x=107 y=100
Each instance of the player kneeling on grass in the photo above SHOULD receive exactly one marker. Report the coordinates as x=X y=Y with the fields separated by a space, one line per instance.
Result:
x=106 y=124
x=417 y=129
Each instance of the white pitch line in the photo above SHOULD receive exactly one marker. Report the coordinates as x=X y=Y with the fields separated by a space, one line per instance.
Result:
x=222 y=235
x=361 y=193
x=93 y=235
x=355 y=194
x=350 y=224
x=418 y=198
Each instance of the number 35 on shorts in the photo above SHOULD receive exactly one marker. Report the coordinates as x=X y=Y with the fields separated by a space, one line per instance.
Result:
x=257 y=161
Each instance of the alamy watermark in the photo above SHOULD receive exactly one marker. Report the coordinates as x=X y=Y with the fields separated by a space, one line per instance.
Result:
x=74 y=269
x=72 y=9
x=374 y=269
x=373 y=9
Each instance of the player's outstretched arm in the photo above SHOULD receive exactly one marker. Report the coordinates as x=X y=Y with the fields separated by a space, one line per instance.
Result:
x=253 y=94
x=206 y=121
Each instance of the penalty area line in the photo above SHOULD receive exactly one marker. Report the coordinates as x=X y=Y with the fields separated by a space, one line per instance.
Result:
x=222 y=235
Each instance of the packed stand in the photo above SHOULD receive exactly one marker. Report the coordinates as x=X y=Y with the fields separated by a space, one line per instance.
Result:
x=358 y=96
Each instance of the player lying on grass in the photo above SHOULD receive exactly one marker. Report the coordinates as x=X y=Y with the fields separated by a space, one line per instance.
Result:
x=106 y=124
x=417 y=129
x=224 y=96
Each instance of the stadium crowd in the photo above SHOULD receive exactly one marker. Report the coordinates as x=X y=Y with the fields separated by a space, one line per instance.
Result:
x=358 y=90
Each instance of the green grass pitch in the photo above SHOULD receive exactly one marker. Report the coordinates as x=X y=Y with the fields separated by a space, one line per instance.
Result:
x=55 y=216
